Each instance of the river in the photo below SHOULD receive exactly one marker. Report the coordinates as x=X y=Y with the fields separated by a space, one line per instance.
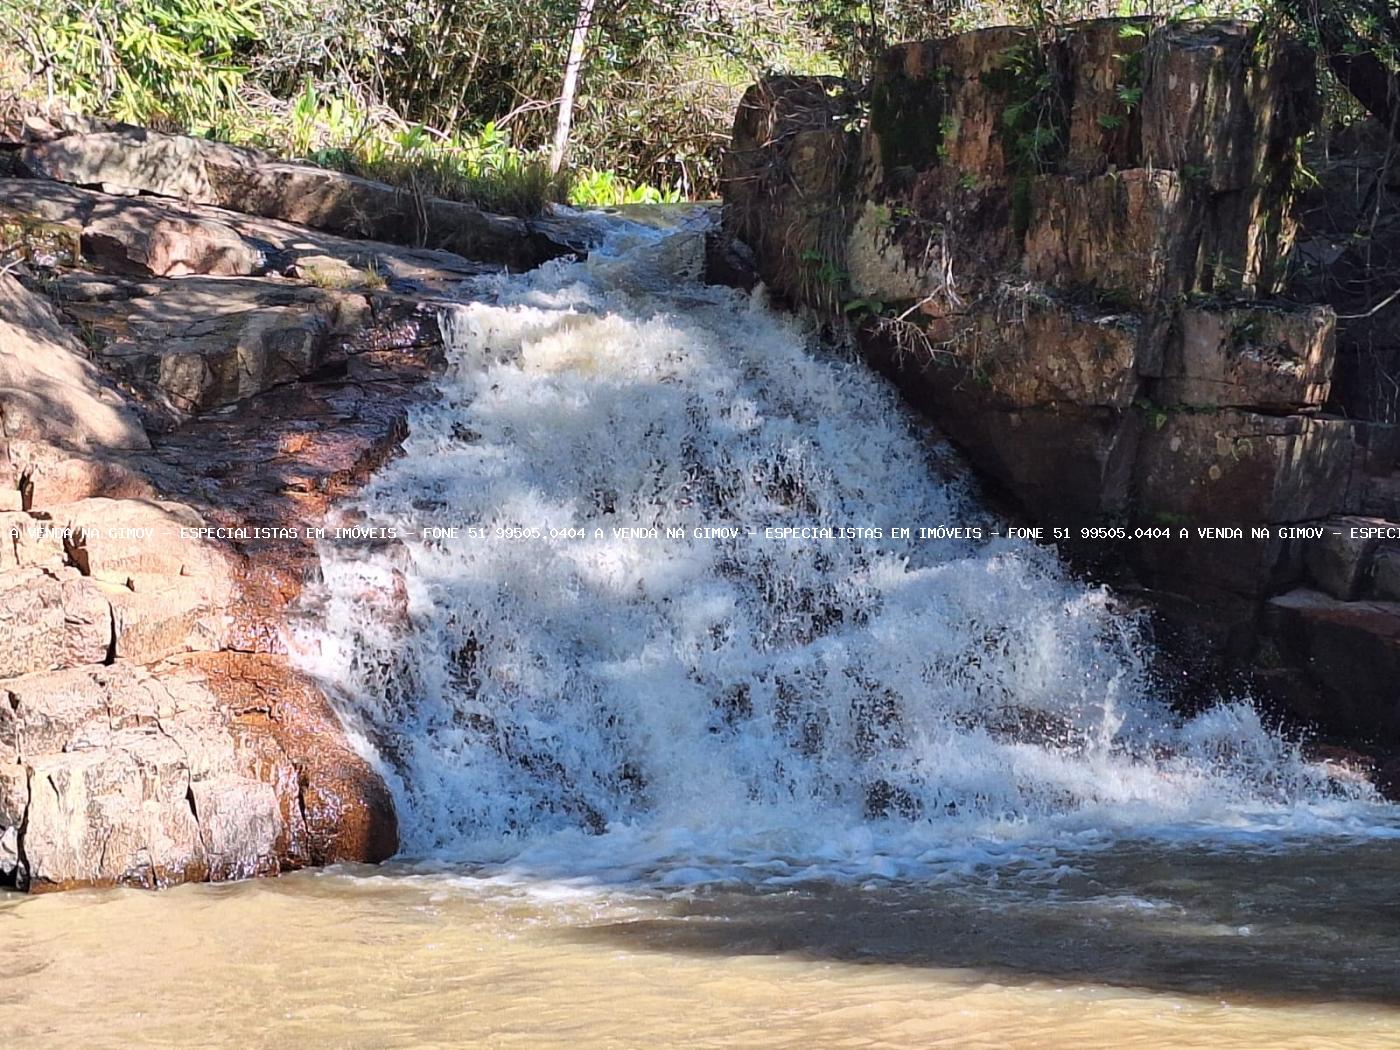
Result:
x=1126 y=946
x=691 y=746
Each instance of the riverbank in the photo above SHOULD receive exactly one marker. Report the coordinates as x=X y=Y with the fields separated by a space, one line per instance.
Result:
x=1074 y=252
x=186 y=388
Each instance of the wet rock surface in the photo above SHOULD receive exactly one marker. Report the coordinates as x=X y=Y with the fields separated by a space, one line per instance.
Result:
x=1070 y=252
x=168 y=366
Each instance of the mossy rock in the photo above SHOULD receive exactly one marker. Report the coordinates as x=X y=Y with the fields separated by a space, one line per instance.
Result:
x=39 y=243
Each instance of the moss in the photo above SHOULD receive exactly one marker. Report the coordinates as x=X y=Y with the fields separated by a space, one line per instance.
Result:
x=911 y=121
x=36 y=241
x=1035 y=118
x=1021 y=206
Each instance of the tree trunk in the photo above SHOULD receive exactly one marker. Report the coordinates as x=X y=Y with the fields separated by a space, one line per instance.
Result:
x=570 y=86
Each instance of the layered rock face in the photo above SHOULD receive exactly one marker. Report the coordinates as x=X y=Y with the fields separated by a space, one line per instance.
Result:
x=1068 y=250
x=168 y=368
x=129 y=161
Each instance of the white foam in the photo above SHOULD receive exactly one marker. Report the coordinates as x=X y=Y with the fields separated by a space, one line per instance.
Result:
x=739 y=708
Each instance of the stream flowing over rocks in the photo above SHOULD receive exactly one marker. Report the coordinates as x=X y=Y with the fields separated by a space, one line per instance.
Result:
x=1075 y=254
x=682 y=710
x=677 y=638
x=184 y=390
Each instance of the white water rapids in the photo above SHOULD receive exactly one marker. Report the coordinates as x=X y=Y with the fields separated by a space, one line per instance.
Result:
x=694 y=710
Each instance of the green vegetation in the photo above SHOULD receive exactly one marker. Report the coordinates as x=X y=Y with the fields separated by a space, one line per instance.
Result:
x=513 y=103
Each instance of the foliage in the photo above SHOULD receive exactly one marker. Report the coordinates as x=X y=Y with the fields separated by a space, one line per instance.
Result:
x=592 y=188
x=459 y=99
x=165 y=62
x=1360 y=44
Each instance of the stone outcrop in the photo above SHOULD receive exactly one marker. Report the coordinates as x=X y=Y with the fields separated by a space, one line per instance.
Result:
x=129 y=161
x=1069 y=250
x=160 y=238
x=151 y=731
x=135 y=776
x=168 y=366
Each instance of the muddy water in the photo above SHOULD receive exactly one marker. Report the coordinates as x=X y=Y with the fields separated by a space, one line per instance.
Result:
x=1126 y=946
x=742 y=791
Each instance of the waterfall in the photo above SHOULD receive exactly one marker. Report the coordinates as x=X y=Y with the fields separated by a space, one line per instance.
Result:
x=564 y=689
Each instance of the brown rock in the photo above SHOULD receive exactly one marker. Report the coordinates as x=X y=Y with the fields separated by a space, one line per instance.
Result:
x=347 y=810
x=1248 y=357
x=788 y=176
x=1104 y=60
x=200 y=171
x=1048 y=354
x=262 y=244
x=51 y=619
x=1124 y=236
x=945 y=101
x=158 y=616
x=1212 y=108
x=142 y=240
x=114 y=539
x=144 y=779
x=200 y=343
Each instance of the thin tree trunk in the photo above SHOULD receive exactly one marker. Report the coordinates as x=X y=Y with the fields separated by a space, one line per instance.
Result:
x=570 y=86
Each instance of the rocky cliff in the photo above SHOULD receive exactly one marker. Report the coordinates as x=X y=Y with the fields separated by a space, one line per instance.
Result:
x=193 y=338
x=1068 y=250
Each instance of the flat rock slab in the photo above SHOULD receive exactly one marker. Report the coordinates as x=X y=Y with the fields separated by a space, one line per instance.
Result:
x=55 y=404
x=204 y=343
x=147 y=236
x=135 y=160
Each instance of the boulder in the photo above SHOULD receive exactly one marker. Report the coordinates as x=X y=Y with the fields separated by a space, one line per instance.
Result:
x=338 y=808
x=52 y=481
x=49 y=391
x=1339 y=562
x=200 y=171
x=148 y=236
x=1260 y=357
x=129 y=161
x=115 y=775
x=201 y=343
x=139 y=240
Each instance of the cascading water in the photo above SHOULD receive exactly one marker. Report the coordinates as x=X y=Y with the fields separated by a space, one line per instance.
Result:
x=692 y=708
